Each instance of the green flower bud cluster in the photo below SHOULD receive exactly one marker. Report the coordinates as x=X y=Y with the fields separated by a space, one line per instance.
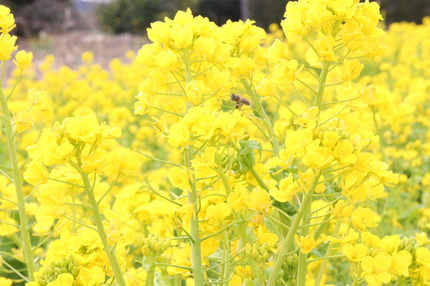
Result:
x=154 y=246
x=232 y=162
x=289 y=268
x=409 y=244
x=65 y=265
x=259 y=253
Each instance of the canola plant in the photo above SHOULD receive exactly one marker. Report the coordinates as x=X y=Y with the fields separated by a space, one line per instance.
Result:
x=222 y=155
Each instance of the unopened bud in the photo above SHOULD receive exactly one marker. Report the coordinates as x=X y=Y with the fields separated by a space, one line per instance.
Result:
x=166 y=245
x=145 y=250
x=255 y=254
x=158 y=247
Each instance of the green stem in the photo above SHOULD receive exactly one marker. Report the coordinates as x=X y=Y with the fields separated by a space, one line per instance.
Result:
x=399 y=281
x=226 y=257
x=16 y=174
x=355 y=282
x=302 y=268
x=173 y=265
x=244 y=238
x=236 y=216
x=382 y=143
x=156 y=159
x=150 y=275
x=321 y=84
x=256 y=102
x=188 y=76
x=321 y=228
x=289 y=239
x=326 y=258
x=16 y=271
x=16 y=83
x=303 y=257
x=305 y=208
x=178 y=280
x=259 y=180
x=327 y=253
x=194 y=227
x=110 y=251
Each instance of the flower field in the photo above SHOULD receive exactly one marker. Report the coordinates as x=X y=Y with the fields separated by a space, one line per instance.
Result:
x=222 y=156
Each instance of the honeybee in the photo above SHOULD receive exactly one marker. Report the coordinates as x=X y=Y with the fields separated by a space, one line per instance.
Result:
x=240 y=101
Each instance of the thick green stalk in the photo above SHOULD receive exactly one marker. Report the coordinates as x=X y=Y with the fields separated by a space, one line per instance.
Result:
x=241 y=225
x=327 y=254
x=303 y=257
x=196 y=243
x=177 y=280
x=16 y=174
x=110 y=251
x=302 y=269
x=306 y=208
x=399 y=281
x=289 y=239
x=244 y=238
x=226 y=258
x=150 y=275
x=256 y=103
x=321 y=84
x=355 y=282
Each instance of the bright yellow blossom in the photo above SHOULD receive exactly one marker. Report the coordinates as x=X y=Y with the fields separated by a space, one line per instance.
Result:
x=7 y=46
x=123 y=160
x=36 y=173
x=5 y=281
x=400 y=263
x=423 y=256
x=286 y=191
x=376 y=269
x=7 y=20
x=22 y=121
x=363 y=218
x=318 y=158
x=91 y=276
x=23 y=59
x=305 y=243
x=179 y=135
x=64 y=279
x=218 y=213
x=355 y=252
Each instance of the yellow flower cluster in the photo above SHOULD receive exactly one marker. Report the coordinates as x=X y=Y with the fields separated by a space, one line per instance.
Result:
x=248 y=158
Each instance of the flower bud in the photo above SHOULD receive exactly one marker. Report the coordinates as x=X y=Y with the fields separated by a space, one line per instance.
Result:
x=145 y=250
x=158 y=247
x=166 y=245
x=255 y=254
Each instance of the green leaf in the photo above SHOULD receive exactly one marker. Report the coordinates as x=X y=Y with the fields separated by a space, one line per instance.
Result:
x=246 y=154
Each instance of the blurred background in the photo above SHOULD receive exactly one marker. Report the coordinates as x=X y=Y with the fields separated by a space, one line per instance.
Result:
x=66 y=28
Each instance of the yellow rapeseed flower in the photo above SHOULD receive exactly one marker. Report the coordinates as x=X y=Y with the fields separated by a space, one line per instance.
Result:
x=305 y=243
x=23 y=60
x=355 y=252
x=7 y=46
x=36 y=173
x=376 y=269
x=7 y=20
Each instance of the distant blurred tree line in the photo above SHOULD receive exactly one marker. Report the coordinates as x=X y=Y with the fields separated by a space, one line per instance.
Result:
x=35 y=16
x=404 y=10
x=119 y=16
x=136 y=15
